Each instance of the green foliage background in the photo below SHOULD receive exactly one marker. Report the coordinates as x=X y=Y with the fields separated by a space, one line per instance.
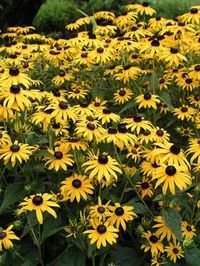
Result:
x=54 y=15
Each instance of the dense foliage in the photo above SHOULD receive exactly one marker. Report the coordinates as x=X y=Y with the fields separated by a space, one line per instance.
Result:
x=99 y=142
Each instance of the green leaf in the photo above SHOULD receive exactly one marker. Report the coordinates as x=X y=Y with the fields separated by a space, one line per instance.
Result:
x=71 y=257
x=192 y=257
x=127 y=106
x=173 y=220
x=125 y=256
x=45 y=153
x=139 y=208
x=154 y=82
x=164 y=96
x=50 y=227
x=13 y=193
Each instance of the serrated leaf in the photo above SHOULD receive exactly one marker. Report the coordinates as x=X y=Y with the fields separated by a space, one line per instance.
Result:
x=13 y=193
x=71 y=257
x=164 y=96
x=192 y=257
x=173 y=220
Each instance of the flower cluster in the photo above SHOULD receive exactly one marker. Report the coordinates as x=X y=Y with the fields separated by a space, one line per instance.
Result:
x=100 y=129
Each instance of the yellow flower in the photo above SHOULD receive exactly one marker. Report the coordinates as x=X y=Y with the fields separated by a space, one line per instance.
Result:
x=163 y=230
x=6 y=237
x=102 y=233
x=147 y=100
x=170 y=177
x=174 y=251
x=145 y=187
x=61 y=158
x=119 y=215
x=154 y=243
x=76 y=187
x=100 y=211
x=188 y=230
x=39 y=203
x=14 y=152
x=122 y=95
x=102 y=165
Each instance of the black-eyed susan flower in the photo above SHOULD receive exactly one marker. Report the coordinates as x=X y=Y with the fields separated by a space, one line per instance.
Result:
x=154 y=244
x=188 y=83
x=122 y=95
x=13 y=76
x=102 y=165
x=42 y=116
x=102 y=233
x=145 y=187
x=15 y=152
x=185 y=112
x=194 y=100
x=161 y=135
x=6 y=237
x=194 y=150
x=137 y=123
x=158 y=260
x=90 y=130
x=146 y=136
x=169 y=152
x=135 y=152
x=100 y=211
x=147 y=100
x=142 y=9
x=173 y=57
x=171 y=177
x=163 y=230
x=127 y=73
x=4 y=137
x=195 y=71
x=120 y=215
x=188 y=229
x=60 y=159
x=15 y=97
x=149 y=168
x=39 y=203
x=62 y=111
x=192 y=17
x=174 y=251
x=76 y=144
x=106 y=116
x=76 y=187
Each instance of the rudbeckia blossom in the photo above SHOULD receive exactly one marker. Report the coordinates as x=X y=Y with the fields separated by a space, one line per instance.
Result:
x=188 y=230
x=147 y=100
x=145 y=187
x=100 y=211
x=76 y=187
x=6 y=237
x=120 y=215
x=171 y=177
x=61 y=158
x=39 y=203
x=102 y=233
x=102 y=165
x=174 y=251
x=14 y=152
x=163 y=230
x=154 y=243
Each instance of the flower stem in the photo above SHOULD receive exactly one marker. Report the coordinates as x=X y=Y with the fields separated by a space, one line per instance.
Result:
x=36 y=241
